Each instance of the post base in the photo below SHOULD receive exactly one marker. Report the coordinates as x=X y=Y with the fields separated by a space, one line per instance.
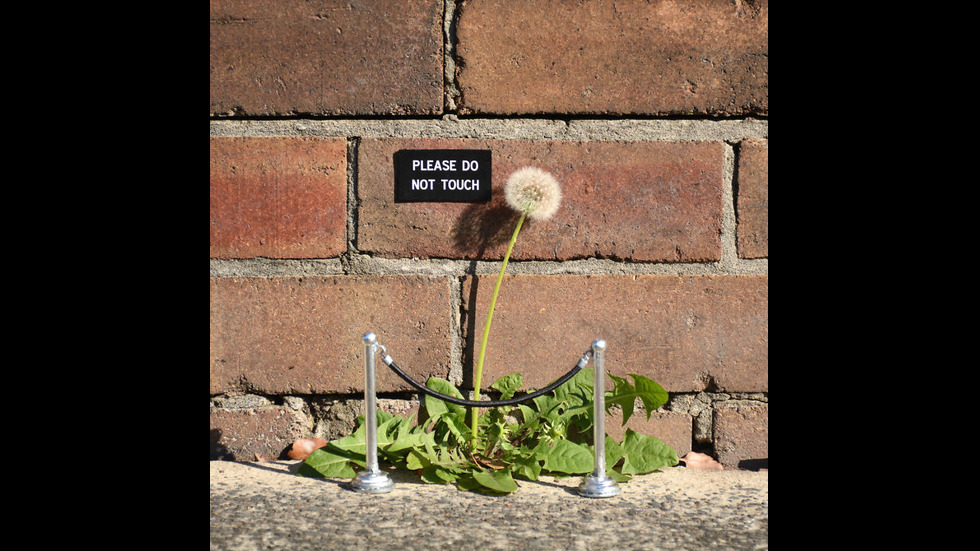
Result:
x=598 y=487
x=372 y=482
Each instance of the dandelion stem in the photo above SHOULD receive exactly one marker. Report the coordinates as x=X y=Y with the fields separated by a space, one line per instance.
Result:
x=486 y=327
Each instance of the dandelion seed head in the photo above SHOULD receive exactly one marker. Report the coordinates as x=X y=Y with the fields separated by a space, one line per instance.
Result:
x=534 y=192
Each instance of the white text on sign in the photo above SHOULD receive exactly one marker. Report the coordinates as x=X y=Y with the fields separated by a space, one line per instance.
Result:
x=446 y=164
x=447 y=184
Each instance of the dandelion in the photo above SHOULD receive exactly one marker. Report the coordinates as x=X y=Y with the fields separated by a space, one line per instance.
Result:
x=535 y=194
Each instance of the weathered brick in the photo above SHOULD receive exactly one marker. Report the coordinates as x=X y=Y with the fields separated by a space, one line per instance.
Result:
x=628 y=57
x=259 y=434
x=637 y=201
x=753 y=199
x=688 y=333
x=742 y=436
x=338 y=418
x=326 y=58
x=278 y=197
x=303 y=335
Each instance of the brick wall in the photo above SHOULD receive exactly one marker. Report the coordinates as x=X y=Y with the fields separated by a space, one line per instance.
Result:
x=652 y=115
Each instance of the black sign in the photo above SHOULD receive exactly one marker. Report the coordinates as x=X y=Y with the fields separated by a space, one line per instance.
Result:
x=442 y=175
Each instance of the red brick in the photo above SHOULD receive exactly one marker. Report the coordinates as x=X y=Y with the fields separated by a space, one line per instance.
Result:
x=741 y=435
x=687 y=333
x=303 y=335
x=278 y=197
x=259 y=434
x=627 y=57
x=326 y=58
x=638 y=201
x=753 y=199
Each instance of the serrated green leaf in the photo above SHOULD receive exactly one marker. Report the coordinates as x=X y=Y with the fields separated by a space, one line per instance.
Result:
x=617 y=476
x=350 y=444
x=614 y=452
x=387 y=431
x=404 y=442
x=645 y=454
x=468 y=484
x=435 y=474
x=496 y=481
x=623 y=395
x=383 y=416
x=651 y=394
x=403 y=426
x=508 y=385
x=493 y=436
x=429 y=444
x=526 y=466
x=436 y=407
x=324 y=463
x=527 y=413
x=504 y=443
x=577 y=390
x=582 y=415
x=548 y=406
x=457 y=427
x=416 y=460
x=388 y=426
x=566 y=457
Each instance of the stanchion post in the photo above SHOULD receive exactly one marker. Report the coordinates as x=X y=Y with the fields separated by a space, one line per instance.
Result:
x=372 y=480
x=598 y=484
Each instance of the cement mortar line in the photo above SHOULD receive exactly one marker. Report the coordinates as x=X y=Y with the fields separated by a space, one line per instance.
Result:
x=355 y=264
x=451 y=126
x=456 y=339
x=352 y=210
x=699 y=404
x=450 y=86
x=729 y=226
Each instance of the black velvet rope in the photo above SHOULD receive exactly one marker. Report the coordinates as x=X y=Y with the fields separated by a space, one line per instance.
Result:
x=481 y=403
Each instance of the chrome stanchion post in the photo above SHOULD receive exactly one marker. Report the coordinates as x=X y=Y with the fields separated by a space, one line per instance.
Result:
x=598 y=484
x=372 y=480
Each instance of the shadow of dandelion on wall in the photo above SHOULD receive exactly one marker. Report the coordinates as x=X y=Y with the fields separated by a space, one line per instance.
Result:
x=484 y=228
x=480 y=233
x=532 y=193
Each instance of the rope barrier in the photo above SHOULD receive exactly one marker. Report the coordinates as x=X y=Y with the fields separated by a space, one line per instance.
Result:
x=487 y=403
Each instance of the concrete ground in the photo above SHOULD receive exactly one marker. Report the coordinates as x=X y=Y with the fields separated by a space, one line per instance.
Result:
x=266 y=506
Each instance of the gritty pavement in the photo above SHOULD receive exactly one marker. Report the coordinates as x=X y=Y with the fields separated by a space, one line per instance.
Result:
x=267 y=506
